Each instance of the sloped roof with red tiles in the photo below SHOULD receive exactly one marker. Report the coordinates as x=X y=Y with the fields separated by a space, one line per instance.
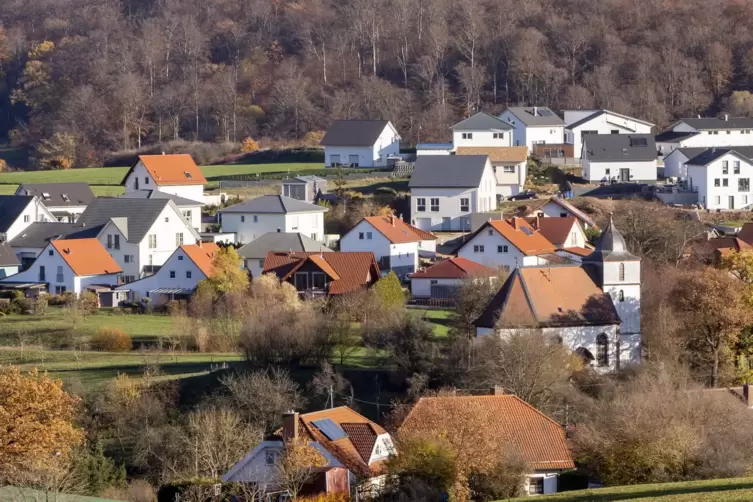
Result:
x=397 y=231
x=555 y=230
x=202 y=255
x=454 y=268
x=176 y=169
x=86 y=256
x=353 y=270
x=577 y=250
x=508 y=421
x=521 y=235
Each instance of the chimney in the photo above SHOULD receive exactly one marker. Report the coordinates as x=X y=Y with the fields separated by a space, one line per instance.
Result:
x=163 y=153
x=535 y=110
x=392 y=220
x=726 y=117
x=290 y=426
x=198 y=243
x=497 y=391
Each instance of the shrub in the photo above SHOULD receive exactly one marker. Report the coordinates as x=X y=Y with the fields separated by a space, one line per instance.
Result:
x=313 y=138
x=56 y=300
x=249 y=145
x=389 y=291
x=3 y=166
x=112 y=340
x=20 y=306
x=39 y=306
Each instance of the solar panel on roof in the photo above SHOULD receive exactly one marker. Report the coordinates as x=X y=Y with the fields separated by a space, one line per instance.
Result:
x=545 y=113
x=638 y=142
x=329 y=429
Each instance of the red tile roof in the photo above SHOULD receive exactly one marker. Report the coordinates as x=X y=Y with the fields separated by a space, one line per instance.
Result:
x=576 y=250
x=555 y=230
x=179 y=169
x=348 y=271
x=86 y=256
x=510 y=422
x=202 y=255
x=454 y=268
x=397 y=231
x=521 y=235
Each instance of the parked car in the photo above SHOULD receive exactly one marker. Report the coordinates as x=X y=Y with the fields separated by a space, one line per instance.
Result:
x=528 y=194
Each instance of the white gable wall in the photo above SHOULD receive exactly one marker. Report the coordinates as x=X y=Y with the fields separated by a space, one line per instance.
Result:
x=606 y=123
x=712 y=197
x=249 y=226
x=378 y=244
x=674 y=165
x=34 y=212
x=179 y=263
x=603 y=171
x=131 y=269
x=387 y=144
x=166 y=238
x=492 y=256
x=481 y=138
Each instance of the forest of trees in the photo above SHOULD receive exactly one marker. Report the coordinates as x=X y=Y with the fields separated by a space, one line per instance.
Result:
x=108 y=75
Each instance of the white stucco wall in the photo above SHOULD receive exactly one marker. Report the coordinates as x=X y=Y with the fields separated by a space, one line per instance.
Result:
x=165 y=228
x=388 y=144
x=603 y=171
x=490 y=239
x=524 y=135
x=181 y=264
x=482 y=138
x=674 y=165
x=140 y=179
x=378 y=244
x=132 y=268
x=510 y=183
x=550 y=481
x=35 y=211
x=193 y=215
x=607 y=123
x=712 y=197
x=421 y=288
x=246 y=229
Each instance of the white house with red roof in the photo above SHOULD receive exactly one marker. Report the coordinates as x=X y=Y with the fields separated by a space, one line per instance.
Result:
x=178 y=276
x=396 y=245
x=174 y=174
x=442 y=280
x=70 y=265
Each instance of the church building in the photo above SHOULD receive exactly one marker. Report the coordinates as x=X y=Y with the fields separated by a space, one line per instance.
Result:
x=592 y=307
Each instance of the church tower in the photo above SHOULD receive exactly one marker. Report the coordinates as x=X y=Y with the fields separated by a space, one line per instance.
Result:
x=618 y=273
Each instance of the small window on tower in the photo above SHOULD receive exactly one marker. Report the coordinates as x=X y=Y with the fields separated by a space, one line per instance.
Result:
x=622 y=272
x=621 y=296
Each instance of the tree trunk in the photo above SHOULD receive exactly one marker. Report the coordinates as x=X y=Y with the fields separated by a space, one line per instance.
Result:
x=324 y=62
x=715 y=368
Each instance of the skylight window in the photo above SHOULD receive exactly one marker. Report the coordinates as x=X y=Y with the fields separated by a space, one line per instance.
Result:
x=66 y=198
x=188 y=175
x=45 y=196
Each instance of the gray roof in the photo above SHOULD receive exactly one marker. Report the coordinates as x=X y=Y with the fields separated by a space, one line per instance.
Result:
x=280 y=241
x=536 y=115
x=448 y=171
x=141 y=215
x=275 y=204
x=689 y=152
x=610 y=247
x=39 y=234
x=673 y=136
x=599 y=113
x=157 y=194
x=354 y=132
x=8 y=257
x=78 y=193
x=482 y=121
x=620 y=147
x=302 y=180
x=713 y=123
x=11 y=207
x=709 y=155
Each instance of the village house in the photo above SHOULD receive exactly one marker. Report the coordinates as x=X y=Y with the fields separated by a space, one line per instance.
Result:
x=445 y=190
x=66 y=201
x=9 y=262
x=33 y=239
x=706 y=132
x=322 y=273
x=178 y=277
x=396 y=245
x=481 y=130
x=504 y=422
x=17 y=212
x=70 y=265
x=175 y=174
x=556 y=207
x=140 y=234
x=273 y=213
x=619 y=157
x=354 y=451
x=442 y=280
x=563 y=232
x=534 y=125
x=189 y=208
x=594 y=308
x=255 y=252
x=674 y=162
x=510 y=165
x=507 y=244
x=304 y=188
x=581 y=123
x=721 y=176
x=360 y=143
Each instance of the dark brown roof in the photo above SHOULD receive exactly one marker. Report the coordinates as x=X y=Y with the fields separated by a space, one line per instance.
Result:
x=348 y=271
x=556 y=230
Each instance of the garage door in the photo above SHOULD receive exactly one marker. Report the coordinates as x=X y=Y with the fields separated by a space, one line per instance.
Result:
x=424 y=224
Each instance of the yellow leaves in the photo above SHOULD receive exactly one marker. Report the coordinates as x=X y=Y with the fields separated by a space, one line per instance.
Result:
x=313 y=138
x=249 y=145
x=227 y=274
x=301 y=455
x=40 y=49
x=126 y=388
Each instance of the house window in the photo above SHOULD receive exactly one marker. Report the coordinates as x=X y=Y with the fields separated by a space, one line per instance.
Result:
x=735 y=167
x=188 y=274
x=508 y=169
x=59 y=276
x=353 y=160
x=319 y=280
x=725 y=182
x=574 y=238
x=152 y=241
x=42 y=274
x=360 y=236
x=172 y=274
x=490 y=232
x=717 y=182
x=369 y=235
x=334 y=160
x=243 y=218
x=478 y=249
x=435 y=205
x=179 y=239
x=622 y=272
x=256 y=218
x=615 y=131
x=467 y=135
x=51 y=252
x=535 y=486
x=116 y=241
x=745 y=200
x=270 y=457
x=433 y=282
x=602 y=350
x=301 y=281
x=60 y=290
x=725 y=167
x=465 y=204
x=420 y=204
x=607 y=172
x=127 y=258
x=109 y=241
x=498 y=135
x=146 y=180
x=743 y=184
x=167 y=219
x=187 y=214
x=718 y=199
x=180 y=258
x=27 y=218
x=621 y=296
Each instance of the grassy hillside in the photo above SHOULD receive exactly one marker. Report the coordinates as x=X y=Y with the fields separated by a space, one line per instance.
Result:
x=716 y=490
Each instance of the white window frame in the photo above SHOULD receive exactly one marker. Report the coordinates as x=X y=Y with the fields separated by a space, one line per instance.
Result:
x=465 y=204
x=421 y=204
x=434 y=207
x=508 y=169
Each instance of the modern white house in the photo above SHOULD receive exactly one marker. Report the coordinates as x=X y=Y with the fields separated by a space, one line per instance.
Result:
x=580 y=123
x=510 y=165
x=305 y=188
x=507 y=244
x=442 y=280
x=70 y=265
x=721 y=176
x=189 y=208
x=447 y=189
x=64 y=200
x=360 y=143
x=140 y=234
x=255 y=252
x=175 y=174
x=674 y=162
x=481 y=129
x=594 y=307
x=557 y=207
x=273 y=213
x=9 y=262
x=178 y=276
x=534 y=125
x=707 y=132
x=33 y=239
x=17 y=212
x=620 y=157
x=395 y=244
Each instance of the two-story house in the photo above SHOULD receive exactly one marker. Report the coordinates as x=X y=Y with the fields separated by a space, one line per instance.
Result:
x=273 y=213
x=176 y=174
x=305 y=188
x=255 y=253
x=534 y=125
x=507 y=244
x=396 y=244
x=619 y=157
x=33 y=239
x=446 y=189
x=721 y=176
x=707 y=132
x=481 y=129
x=189 y=208
x=71 y=265
x=510 y=165
x=17 y=212
x=140 y=234
x=580 y=123
x=64 y=200
x=360 y=143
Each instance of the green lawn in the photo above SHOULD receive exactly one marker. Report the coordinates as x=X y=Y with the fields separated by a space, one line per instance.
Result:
x=439 y=318
x=721 y=490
